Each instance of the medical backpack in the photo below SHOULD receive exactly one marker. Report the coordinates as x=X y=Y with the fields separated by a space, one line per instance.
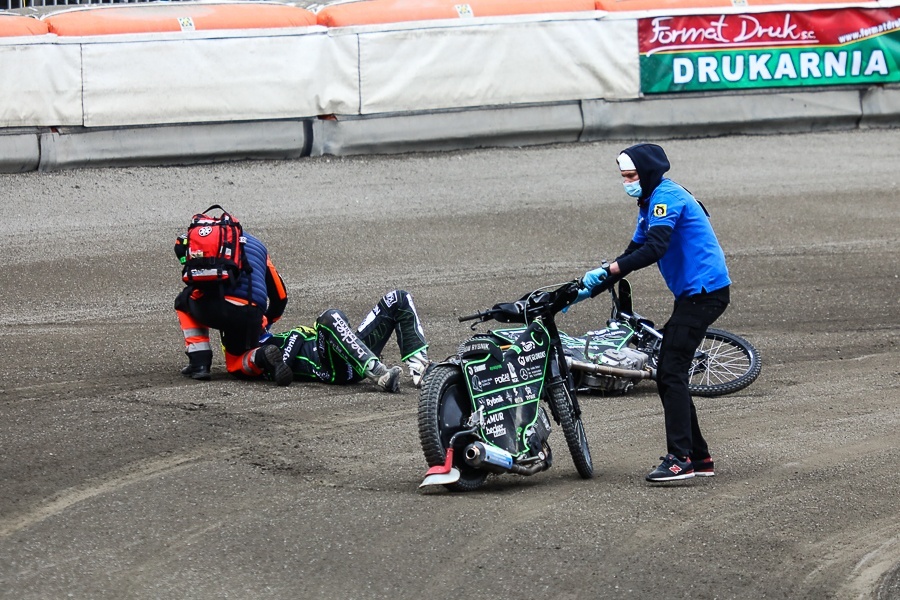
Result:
x=213 y=248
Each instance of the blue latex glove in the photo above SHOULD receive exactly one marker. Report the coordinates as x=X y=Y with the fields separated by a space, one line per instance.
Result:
x=593 y=278
x=265 y=337
x=583 y=294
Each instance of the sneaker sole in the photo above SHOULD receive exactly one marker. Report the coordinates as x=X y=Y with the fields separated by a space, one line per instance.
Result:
x=705 y=473
x=673 y=478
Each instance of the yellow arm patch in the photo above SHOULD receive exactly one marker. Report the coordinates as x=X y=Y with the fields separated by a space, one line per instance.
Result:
x=659 y=210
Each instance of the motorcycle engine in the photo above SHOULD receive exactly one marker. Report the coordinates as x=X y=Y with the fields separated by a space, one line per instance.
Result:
x=537 y=437
x=624 y=358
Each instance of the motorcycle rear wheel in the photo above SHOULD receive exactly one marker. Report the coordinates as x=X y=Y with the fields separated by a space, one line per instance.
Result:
x=726 y=363
x=444 y=408
x=573 y=429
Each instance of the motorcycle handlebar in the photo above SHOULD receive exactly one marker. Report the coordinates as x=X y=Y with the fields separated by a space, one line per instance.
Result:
x=478 y=315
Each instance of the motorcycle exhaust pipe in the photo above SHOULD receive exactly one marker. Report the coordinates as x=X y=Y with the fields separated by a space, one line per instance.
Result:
x=531 y=469
x=578 y=365
x=478 y=454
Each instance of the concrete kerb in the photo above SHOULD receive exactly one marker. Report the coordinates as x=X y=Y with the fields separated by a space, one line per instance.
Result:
x=448 y=130
x=703 y=116
x=880 y=107
x=68 y=148
x=587 y=120
x=19 y=152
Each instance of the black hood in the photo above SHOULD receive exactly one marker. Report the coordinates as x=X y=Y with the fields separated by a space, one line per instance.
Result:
x=651 y=163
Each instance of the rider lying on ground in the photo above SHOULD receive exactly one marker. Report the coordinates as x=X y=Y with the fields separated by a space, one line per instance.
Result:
x=333 y=352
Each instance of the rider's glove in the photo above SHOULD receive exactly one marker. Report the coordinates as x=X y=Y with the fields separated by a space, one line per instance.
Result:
x=583 y=294
x=593 y=278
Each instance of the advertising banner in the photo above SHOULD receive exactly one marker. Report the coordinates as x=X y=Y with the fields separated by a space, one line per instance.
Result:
x=698 y=53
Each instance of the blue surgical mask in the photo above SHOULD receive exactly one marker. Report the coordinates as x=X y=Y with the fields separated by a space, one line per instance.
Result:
x=633 y=188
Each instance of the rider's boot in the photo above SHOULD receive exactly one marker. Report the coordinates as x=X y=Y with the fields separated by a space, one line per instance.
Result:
x=269 y=359
x=386 y=378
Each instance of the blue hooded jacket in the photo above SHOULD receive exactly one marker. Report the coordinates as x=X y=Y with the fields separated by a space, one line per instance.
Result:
x=673 y=230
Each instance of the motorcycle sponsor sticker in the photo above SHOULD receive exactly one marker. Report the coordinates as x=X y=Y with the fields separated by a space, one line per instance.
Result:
x=495 y=431
x=492 y=401
x=532 y=371
x=474 y=347
x=526 y=359
x=494 y=418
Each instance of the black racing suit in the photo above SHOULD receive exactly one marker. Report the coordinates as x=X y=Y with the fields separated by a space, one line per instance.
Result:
x=334 y=352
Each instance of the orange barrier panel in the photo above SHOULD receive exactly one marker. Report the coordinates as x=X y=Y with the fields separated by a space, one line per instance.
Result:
x=13 y=25
x=636 y=5
x=370 y=12
x=152 y=18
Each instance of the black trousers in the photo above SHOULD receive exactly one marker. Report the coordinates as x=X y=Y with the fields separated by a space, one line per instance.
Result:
x=345 y=352
x=682 y=335
x=239 y=325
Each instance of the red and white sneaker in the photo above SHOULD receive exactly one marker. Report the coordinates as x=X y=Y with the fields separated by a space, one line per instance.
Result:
x=705 y=467
x=671 y=469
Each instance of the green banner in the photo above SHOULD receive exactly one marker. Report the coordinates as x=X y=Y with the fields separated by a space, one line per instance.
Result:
x=687 y=57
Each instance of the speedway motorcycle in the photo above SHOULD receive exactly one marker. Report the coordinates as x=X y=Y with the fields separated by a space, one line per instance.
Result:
x=487 y=384
x=482 y=410
x=612 y=360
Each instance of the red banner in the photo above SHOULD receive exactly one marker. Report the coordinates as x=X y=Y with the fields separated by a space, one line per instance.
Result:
x=769 y=30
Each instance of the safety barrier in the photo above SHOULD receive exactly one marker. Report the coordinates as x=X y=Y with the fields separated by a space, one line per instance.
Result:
x=370 y=12
x=104 y=91
x=15 y=25
x=155 y=18
x=693 y=6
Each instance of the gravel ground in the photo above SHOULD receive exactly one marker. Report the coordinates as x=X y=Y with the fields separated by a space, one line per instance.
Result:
x=119 y=479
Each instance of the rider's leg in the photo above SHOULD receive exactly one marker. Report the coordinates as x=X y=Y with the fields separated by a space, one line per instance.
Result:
x=339 y=342
x=396 y=313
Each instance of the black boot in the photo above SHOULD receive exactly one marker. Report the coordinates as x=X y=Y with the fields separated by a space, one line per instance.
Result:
x=268 y=358
x=199 y=366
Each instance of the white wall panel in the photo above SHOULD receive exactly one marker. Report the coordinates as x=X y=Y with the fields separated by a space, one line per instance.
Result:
x=158 y=81
x=497 y=63
x=40 y=84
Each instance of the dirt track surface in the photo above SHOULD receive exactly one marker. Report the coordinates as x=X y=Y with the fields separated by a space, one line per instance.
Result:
x=120 y=479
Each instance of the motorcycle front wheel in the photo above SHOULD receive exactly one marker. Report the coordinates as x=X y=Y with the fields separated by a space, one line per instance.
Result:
x=444 y=408
x=573 y=429
x=723 y=364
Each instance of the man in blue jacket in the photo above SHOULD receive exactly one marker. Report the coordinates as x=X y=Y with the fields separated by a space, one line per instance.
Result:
x=241 y=309
x=674 y=231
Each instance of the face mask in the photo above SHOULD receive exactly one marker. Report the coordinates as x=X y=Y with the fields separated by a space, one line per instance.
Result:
x=633 y=188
